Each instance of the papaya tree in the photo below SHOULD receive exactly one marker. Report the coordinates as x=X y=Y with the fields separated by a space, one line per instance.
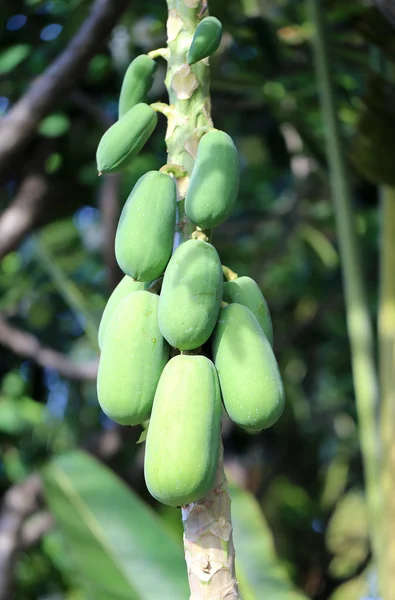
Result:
x=214 y=345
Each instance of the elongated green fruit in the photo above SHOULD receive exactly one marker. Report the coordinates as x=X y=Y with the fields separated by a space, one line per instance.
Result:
x=144 y=238
x=124 y=140
x=191 y=295
x=206 y=40
x=124 y=287
x=133 y=357
x=184 y=431
x=251 y=384
x=245 y=291
x=137 y=82
x=214 y=185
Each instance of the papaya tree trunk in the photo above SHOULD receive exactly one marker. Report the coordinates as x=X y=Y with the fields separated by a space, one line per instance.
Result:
x=208 y=544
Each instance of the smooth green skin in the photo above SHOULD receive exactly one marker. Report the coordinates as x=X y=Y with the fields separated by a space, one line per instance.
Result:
x=145 y=234
x=245 y=291
x=124 y=287
x=250 y=380
x=133 y=357
x=136 y=84
x=214 y=185
x=206 y=40
x=183 y=437
x=191 y=295
x=124 y=140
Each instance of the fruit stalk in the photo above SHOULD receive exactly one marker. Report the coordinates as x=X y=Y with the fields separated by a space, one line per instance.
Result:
x=357 y=310
x=208 y=543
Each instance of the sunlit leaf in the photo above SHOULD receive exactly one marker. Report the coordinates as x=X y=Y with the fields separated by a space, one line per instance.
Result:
x=259 y=571
x=119 y=545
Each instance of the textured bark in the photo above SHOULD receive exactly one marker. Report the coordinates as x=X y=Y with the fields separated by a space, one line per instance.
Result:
x=208 y=543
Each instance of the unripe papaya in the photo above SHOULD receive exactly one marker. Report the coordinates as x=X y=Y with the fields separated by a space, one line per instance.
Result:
x=144 y=238
x=183 y=437
x=214 y=183
x=133 y=357
x=124 y=140
x=206 y=40
x=245 y=291
x=136 y=84
x=191 y=295
x=124 y=287
x=250 y=380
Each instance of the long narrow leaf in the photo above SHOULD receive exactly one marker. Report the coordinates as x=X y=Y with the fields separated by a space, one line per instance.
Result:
x=258 y=569
x=119 y=545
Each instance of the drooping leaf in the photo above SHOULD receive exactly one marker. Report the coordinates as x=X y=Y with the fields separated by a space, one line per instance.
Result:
x=119 y=545
x=258 y=569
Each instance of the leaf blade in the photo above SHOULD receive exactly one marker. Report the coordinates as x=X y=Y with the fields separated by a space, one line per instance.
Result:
x=119 y=543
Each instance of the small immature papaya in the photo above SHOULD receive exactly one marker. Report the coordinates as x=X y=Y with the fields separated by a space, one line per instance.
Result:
x=191 y=295
x=206 y=40
x=144 y=238
x=250 y=381
x=183 y=437
x=124 y=140
x=214 y=183
x=245 y=291
x=124 y=287
x=132 y=359
x=137 y=82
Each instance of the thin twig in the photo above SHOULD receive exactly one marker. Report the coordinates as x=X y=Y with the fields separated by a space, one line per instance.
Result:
x=26 y=345
x=19 y=125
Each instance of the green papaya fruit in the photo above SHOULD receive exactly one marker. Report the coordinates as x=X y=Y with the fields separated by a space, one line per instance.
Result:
x=183 y=437
x=144 y=238
x=250 y=380
x=124 y=140
x=136 y=84
x=124 y=287
x=132 y=359
x=214 y=184
x=191 y=295
x=206 y=40
x=245 y=291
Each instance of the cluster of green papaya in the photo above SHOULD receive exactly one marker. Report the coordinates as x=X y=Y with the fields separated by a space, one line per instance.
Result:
x=175 y=337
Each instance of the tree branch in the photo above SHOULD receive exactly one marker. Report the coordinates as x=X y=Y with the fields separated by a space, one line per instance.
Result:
x=18 y=126
x=26 y=345
x=109 y=208
x=21 y=215
x=388 y=10
x=19 y=502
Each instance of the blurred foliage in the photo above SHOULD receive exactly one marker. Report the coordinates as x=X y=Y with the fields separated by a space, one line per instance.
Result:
x=306 y=472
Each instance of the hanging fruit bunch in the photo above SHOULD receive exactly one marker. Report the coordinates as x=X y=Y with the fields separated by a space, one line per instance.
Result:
x=174 y=337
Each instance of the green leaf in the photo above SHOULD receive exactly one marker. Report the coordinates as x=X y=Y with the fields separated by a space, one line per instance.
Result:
x=19 y=414
x=54 y=125
x=258 y=569
x=119 y=544
x=13 y=56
